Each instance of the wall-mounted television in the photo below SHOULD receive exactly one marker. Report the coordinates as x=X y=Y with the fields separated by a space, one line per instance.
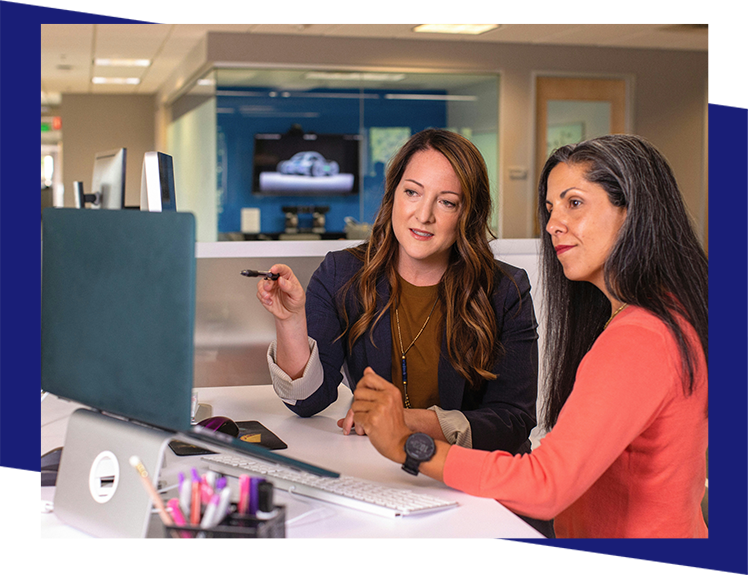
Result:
x=309 y=164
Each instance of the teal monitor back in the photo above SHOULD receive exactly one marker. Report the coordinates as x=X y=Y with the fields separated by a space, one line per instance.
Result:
x=118 y=309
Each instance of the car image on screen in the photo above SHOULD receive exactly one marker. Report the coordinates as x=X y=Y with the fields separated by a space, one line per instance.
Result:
x=308 y=164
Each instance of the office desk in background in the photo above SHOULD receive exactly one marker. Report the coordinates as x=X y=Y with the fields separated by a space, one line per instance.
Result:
x=320 y=441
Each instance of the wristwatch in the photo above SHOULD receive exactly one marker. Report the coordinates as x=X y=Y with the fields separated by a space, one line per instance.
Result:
x=419 y=447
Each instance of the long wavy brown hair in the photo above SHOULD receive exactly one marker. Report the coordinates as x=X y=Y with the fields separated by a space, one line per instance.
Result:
x=465 y=288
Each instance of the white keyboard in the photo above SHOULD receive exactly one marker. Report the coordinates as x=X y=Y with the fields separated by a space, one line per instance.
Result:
x=345 y=490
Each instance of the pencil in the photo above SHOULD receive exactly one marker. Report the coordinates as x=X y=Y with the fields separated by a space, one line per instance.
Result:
x=155 y=498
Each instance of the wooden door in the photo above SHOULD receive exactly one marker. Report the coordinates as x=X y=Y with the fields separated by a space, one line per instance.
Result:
x=609 y=92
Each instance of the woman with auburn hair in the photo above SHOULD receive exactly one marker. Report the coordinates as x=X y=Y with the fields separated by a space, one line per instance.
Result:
x=626 y=285
x=423 y=303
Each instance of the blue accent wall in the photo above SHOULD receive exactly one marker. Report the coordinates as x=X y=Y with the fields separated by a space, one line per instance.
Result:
x=261 y=110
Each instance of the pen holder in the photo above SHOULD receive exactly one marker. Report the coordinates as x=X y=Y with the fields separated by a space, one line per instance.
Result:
x=237 y=525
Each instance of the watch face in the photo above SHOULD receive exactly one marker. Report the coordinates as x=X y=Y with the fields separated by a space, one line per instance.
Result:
x=420 y=446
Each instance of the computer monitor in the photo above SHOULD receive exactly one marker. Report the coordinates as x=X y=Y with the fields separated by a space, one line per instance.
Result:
x=118 y=316
x=157 y=191
x=118 y=312
x=108 y=181
x=82 y=198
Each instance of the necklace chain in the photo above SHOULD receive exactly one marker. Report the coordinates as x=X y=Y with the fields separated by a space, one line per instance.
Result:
x=615 y=313
x=403 y=363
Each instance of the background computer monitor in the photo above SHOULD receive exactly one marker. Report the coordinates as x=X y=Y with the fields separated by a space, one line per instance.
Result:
x=81 y=198
x=157 y=190
x=108 y=181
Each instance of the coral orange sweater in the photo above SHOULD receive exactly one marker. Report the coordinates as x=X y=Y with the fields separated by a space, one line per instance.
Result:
x=627 y=455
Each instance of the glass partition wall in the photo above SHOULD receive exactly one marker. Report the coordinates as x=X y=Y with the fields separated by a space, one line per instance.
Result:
x=300 y=154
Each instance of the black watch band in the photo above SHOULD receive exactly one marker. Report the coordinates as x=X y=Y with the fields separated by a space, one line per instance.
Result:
x=419 y=447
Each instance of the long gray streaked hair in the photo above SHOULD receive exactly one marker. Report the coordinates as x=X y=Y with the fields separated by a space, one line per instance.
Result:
x=657 y=262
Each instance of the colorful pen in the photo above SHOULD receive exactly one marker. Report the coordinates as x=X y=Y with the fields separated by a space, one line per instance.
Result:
x=195 y=501
x=173 y=505
x=243 y=507
x=254 y=494
x=206 y=491
x=209 y=517
x=223 y=504
x=185 y=493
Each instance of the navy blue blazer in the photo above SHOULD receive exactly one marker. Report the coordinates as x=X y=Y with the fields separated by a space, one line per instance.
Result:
x=501 y=412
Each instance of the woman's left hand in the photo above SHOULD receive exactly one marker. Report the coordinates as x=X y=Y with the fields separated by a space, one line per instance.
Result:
x=378 y=412
x=347 y=424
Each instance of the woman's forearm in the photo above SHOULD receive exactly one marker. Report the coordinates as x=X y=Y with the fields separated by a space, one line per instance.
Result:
x=292 y=345
x=425 y=421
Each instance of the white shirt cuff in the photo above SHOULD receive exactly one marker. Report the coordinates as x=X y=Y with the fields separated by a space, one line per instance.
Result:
x=455 y=426
x=294 y=390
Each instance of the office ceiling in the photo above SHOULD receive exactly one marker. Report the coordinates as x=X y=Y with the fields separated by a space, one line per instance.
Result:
x=68 y=50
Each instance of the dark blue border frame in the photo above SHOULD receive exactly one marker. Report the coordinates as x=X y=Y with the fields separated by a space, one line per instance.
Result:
x=728 y=126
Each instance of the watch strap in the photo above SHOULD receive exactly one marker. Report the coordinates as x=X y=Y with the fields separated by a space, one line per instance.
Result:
x=411 y=465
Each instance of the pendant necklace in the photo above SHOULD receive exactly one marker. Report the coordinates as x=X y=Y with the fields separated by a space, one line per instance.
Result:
x=615 y=313
x=404 y=364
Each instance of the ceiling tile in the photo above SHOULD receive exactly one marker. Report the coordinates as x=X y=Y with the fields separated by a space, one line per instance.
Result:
x=130 y=40
x=67 y=50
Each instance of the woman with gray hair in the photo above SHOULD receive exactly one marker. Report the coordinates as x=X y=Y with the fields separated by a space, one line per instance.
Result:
x=626 y=285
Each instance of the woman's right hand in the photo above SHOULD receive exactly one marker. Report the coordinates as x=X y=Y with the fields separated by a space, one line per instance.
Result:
x=284 y=297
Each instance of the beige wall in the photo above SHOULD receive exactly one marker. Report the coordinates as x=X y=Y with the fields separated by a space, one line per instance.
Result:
x=669 y=94
x=669 y=99
x=96 y=123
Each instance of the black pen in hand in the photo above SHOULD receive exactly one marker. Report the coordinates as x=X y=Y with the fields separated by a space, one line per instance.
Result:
x=256 y=274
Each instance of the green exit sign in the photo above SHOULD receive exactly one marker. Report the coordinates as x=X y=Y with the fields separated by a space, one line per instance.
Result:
x=51 y=123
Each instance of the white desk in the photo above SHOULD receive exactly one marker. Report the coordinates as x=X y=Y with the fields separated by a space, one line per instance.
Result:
x=317 y=440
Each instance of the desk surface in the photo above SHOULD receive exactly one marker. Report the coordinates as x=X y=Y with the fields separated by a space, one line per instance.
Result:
x=317 y=440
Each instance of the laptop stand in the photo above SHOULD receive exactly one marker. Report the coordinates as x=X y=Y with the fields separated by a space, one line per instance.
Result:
x=98 y=491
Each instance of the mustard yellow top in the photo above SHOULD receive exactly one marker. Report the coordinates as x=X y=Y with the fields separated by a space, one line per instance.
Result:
x=423 y=358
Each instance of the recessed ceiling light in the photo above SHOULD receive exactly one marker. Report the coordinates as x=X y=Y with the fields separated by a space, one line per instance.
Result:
x=455 y=28
x=434 y=97
x=100 y=80
x=51 y=98
x=126 y=62
x=355 y=76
